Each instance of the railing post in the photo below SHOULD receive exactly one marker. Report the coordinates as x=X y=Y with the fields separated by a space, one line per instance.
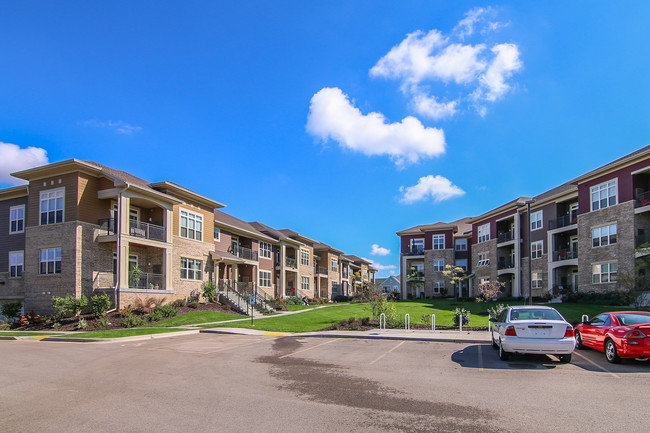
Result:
x=407 y=322
x=382 y=319
x=433 y=323
x=461 y=323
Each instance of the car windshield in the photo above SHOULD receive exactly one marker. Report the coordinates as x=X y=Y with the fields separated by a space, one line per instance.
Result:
x=534 y=314
x=627 y=319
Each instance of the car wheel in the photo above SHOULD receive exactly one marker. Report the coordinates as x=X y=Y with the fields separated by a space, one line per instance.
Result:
x=611 y=353
x=503 y=355
x=565 y=358
x=579 y=344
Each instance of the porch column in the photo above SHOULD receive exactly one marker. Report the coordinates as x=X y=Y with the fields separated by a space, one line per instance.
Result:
x=124 y=204
x=167 y=268
x=283 y=262
x=168 y=219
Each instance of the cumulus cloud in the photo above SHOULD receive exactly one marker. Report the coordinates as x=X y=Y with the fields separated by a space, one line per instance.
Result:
x=379 y=266
x=117 y=125
x=14 y=158
x=504 y=64
x=333 y=116
x=430 y=107
x=379 y=251
x=437 y=188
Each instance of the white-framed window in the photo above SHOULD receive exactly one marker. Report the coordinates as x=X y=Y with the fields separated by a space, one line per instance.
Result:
x=438 y=242
x=334 y=265
x=266 y=249
x=438 y=265
x=191 y=269
x=304 y=257
x=536 y=280
x=462 y=263
x=52 y=206
x=603 y=236
x=191 y=225
x=604 y=272
x=438 y=286
x=484 y=233
x=50 y=261
x=460 y=244
x=17 y=219
x=536 y=249
x=304 y=283
x=16 y=263
x=217 y=233
x=604 y=195
x=483 y=260
x=536 y=220
x=417 y=246
x=265 y=279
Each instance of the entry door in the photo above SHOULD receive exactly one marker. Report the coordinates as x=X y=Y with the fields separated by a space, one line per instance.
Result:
x=234 y=245
x=574 y=246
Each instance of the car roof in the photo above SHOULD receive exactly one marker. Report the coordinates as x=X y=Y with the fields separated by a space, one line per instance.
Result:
x=526 y=307
x=624 y=312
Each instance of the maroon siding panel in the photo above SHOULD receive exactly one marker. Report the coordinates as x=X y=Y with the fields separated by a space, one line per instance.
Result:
x=493 y=225
x=405 y=240
x=625 y=185
x=15 y=242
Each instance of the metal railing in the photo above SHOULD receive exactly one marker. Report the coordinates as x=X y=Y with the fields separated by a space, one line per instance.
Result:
x=243 y=253
x=505 y=236
x=320 y=270
x=413 y=251
x=642 y=199
x=136 y=228
x=505 y=265
x=147 y=281
x=292 y=263
x=558 y=256
x=239 y=295
x=415 y=276
x=563 y=221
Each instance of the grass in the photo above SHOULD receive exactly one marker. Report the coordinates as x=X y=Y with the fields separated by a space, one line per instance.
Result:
x=119 y=333
x=194 y=317
x=22 y=334
x=298 y=307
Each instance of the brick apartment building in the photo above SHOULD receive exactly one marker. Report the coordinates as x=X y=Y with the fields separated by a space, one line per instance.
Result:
x=583 y=234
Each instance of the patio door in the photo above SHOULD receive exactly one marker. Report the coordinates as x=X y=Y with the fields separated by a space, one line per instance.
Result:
x=574 y=246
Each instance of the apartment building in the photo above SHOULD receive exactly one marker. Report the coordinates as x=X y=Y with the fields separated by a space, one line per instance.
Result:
x=361 y=272
x=578 y=236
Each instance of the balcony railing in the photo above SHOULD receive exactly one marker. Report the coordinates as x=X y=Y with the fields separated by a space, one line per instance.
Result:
x=413 y=251
x=415 y=276
x=563 y=221
x=147 y=281
x=506 y=236
x=243 y=253
x=505 y=265
x=320 y=270
x=136 y=228
x=642 y=199
x=558 y=256
x=292 y=263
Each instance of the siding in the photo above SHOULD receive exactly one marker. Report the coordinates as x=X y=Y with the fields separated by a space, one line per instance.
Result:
x=69 y=181
x=13 y=242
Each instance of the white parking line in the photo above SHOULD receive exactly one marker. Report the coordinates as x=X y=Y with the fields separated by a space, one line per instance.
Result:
x=596 y=365
x=386 y=353
x=309 y=348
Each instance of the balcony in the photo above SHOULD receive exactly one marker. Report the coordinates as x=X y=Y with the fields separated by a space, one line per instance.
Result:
x=291 y=262
x=147 y=281
x=506 y=236
x=243 y=253
x=503 y=264
x=137 y=229
x=320 y=270
x=417 y=251
x=642 y=199
x=563 y=221
x=561 y=255
x=416 y=276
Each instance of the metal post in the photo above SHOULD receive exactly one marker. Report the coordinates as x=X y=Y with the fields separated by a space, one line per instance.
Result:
x=382 y=319
x=407 y=322
x=489 y=323
x=433 y=322
x=461 y=323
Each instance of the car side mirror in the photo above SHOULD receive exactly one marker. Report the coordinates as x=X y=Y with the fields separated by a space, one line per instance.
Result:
x=493 y=320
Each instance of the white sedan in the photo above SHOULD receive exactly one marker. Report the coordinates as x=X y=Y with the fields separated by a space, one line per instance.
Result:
x=533 y=329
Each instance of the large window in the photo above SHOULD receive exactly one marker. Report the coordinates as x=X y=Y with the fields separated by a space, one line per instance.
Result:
x=438 y=242
x=16 y=262
x=304 y=283
x=265 y=279
x=191 y=225
x=438 y=265
x=602 y=236
x=52 y=206
x=191 y=269
x=461 y=244
x=438 y=286
x=17 y=219
x=536 y=280
x=483 y=260
x=484 y=233
x=536 y=249
x=462 y=263
x=536 y=220
x=604 y=273
x=603 y=195
x=217 y=233
x=417 y=246
x=50 y=261
x=334 y=265
x=304 y=257
x=265 y=249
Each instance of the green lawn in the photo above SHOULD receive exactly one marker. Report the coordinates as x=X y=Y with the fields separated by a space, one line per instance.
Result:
x=299 y=307
x=23 y=334
x=194 y=317
x=118 y=333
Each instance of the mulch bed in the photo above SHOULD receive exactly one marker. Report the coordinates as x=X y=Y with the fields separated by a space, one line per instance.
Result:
x=374 y=324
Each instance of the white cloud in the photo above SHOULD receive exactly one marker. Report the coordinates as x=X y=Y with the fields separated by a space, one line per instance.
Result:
x=465 y=27
x=332 y=116
x=504 y=64
x=379 y=251
x=436 y=187
x=13 y=158
x=118 y=126
x=379 y=266
x=430 y=107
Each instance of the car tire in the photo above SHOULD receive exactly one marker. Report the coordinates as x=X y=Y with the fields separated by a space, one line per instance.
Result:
x=611 y=353
x=503 y=355
x=579 y=344
x=565 y=359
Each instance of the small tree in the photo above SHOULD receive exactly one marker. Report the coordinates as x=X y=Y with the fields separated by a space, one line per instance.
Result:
x=100 y=304
x=209 y=289
x=11 y=309
x=489 y=291
x=372 y=293
x=456 y=275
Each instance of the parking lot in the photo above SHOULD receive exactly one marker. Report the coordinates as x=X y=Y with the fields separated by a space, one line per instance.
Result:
x=213 y=382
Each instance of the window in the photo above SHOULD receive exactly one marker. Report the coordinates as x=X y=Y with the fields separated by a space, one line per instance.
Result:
x=462 y=263
x=461 y=244
x=536 y=249
x=50 y=261
x=438 y=286
x=15 y=264
x=334 y=265
x=416 y=270
x=602 y=236
x=484 y=233
x=52 y=206
x=304 y=257
x=265 y=279
x=438 y=265
x=265 y=249
x=603 y=195
x=536 y=220
x=17 y=219
x=191 y=225
x=604 y=273
x=217 y=233
x=191 y=269
x=417 y=246
x=483 y=260
x=438 y=242
x=304 y=283
x=536 y=282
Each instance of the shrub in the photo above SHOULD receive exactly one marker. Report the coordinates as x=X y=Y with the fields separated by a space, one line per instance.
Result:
x=155 y=316
x=365 y=321
x=194 y=296
x=496 y=310
x=100 y=305
x=101 y=323
x=126 y=312
x=82 y=324
x=341 y=298
x=31 y=319
x=351 y=320
x=5 y=326
x=167 y=310
x=70 y=305
x=354 y=325
x=193 y=304
x=133 y=321
x=178 y=303
x=11 y=309
x=461 y=312
x=209 y=289
x=426 y=319
x=294 y=300
x=279 y=303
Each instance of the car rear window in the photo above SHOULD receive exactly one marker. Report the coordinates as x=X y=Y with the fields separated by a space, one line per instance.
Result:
x=534 y=314
x=627 y=319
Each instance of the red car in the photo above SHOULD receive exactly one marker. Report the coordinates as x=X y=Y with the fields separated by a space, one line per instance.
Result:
x=620 y=334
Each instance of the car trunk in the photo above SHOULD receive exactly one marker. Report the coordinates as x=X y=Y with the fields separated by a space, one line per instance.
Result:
x=540 y=329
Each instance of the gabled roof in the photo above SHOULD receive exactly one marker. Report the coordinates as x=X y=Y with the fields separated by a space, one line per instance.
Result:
x=184 y=192
x=276 y=234
x=462 y=226
x=321 y=246
x=357 y=260
x=222 y=219
x=14 y=192
x=298 y=236
x=511 y=205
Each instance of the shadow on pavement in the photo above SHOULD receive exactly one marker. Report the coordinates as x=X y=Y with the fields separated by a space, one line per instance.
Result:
x=484 y=356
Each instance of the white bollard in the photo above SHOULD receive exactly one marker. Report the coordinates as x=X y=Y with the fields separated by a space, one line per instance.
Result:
x=461 y=323
x=407 y=322
x=433 y=323
x=489 y=323
x=382 y=319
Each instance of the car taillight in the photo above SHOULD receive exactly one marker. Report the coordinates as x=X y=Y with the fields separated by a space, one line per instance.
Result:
x=635 y=334
x=510 y=330
x=569 y=332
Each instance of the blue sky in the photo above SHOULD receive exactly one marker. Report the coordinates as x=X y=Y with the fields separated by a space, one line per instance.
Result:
x=345 y=121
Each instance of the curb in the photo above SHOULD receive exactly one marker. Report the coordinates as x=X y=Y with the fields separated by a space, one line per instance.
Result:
x=118 y=339
x=398 y=337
